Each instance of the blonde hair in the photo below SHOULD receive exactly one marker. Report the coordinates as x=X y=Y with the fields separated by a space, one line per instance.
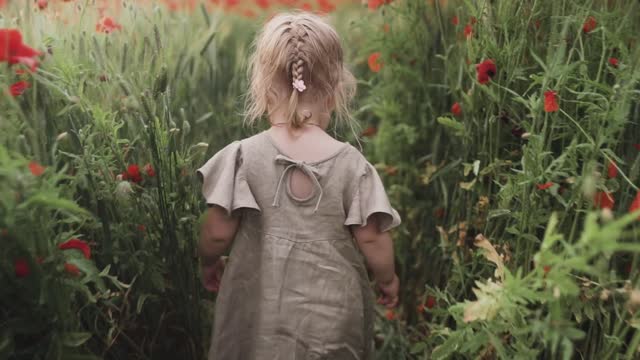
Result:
x=298 y=46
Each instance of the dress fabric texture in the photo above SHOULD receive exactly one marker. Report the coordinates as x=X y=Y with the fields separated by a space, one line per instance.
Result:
x=295 y=285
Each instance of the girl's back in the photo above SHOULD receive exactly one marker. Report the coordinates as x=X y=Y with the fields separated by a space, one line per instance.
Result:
x=291 y=200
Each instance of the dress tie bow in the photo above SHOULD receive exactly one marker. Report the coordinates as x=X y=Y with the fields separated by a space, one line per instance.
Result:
x=307 y=168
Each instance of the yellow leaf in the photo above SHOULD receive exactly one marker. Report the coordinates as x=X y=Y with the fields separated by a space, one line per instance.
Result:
x=468 y=185
x=487 y=304
x=491 y=254
x=443 y=234
x=429 y=171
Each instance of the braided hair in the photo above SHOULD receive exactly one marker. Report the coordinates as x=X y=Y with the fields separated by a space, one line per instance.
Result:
x=296 y=68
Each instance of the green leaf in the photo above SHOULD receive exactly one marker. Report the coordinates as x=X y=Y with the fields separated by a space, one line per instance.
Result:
x=6 y=345
x=418 y=348
x=497 y=213
x=141 y=301
x=446 y=349
x=540 y=61
x=81 y=357
x=589 y=311
x=456 y=127
x=53 y=202
x=75 y=339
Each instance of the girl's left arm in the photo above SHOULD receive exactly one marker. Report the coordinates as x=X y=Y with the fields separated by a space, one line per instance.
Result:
x=216 y=234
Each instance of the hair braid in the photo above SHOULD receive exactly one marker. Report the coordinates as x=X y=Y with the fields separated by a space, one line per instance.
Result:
x=297 y=67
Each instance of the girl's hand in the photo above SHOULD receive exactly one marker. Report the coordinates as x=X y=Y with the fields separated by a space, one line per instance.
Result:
x=212 y=274
x=389 y=292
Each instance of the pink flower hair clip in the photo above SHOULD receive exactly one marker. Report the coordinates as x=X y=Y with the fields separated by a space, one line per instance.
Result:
x=299 y=85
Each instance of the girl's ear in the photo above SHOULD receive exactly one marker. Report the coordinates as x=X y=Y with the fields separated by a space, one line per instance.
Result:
x=330 y=103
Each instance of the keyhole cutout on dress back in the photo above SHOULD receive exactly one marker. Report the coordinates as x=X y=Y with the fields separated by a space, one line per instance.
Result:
x=300 y=185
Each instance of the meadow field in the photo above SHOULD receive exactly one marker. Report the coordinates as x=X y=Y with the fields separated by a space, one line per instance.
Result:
x=506 y=132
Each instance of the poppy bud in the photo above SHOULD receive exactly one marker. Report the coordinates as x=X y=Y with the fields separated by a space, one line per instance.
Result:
x=123 y=190
x=62 y=136
x=390 y=314
x=201 y=146
x=21 y=267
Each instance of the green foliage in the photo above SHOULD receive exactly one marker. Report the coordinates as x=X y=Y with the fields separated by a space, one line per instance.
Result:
x=482 y=171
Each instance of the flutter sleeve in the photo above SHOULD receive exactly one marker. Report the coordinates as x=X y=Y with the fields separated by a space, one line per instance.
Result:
x=224 y=180
x=369 y=197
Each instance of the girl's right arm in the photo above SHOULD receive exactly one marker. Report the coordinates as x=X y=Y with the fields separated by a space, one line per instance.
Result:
x=377 y=248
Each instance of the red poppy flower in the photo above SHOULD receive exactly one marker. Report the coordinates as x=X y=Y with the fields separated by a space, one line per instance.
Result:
x=468 y=31
x=21 y=268
x=391 y=170
x=18 y=88
x=36 y=169
x=42 y=4
x=370 y=131
x=550 y=101
x=71 y=269
x=78 y=245
x=637 y=146
x=13 y=51
x=612 y=170
x=546 y=269
x=456 y=109
x=485 y=71
x=544 y=186
x=172 y=5
x=141 y=228
x=635 y=205
x=390 y=314
x=132 y=173
x=604 y=200
x=306 y=7
x=374 y=4
x=420 y=308
x=107 y=25
x=431 y=302
x=263 y=4
x=613 y=62
x=326 y=6
x=455 y=21
x=149 y=170
x=374 y=64
x=589 y=25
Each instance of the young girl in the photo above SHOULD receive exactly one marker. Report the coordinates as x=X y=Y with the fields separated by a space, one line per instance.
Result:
x=292 y=200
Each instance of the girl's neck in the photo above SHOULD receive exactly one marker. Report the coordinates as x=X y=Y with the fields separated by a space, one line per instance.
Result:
x=318 y=115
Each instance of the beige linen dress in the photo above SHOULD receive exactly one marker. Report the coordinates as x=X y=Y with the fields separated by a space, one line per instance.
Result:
x=295 y=285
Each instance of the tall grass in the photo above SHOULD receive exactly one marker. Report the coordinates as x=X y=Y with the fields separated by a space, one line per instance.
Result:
x=475 y=173
x=160 y=92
